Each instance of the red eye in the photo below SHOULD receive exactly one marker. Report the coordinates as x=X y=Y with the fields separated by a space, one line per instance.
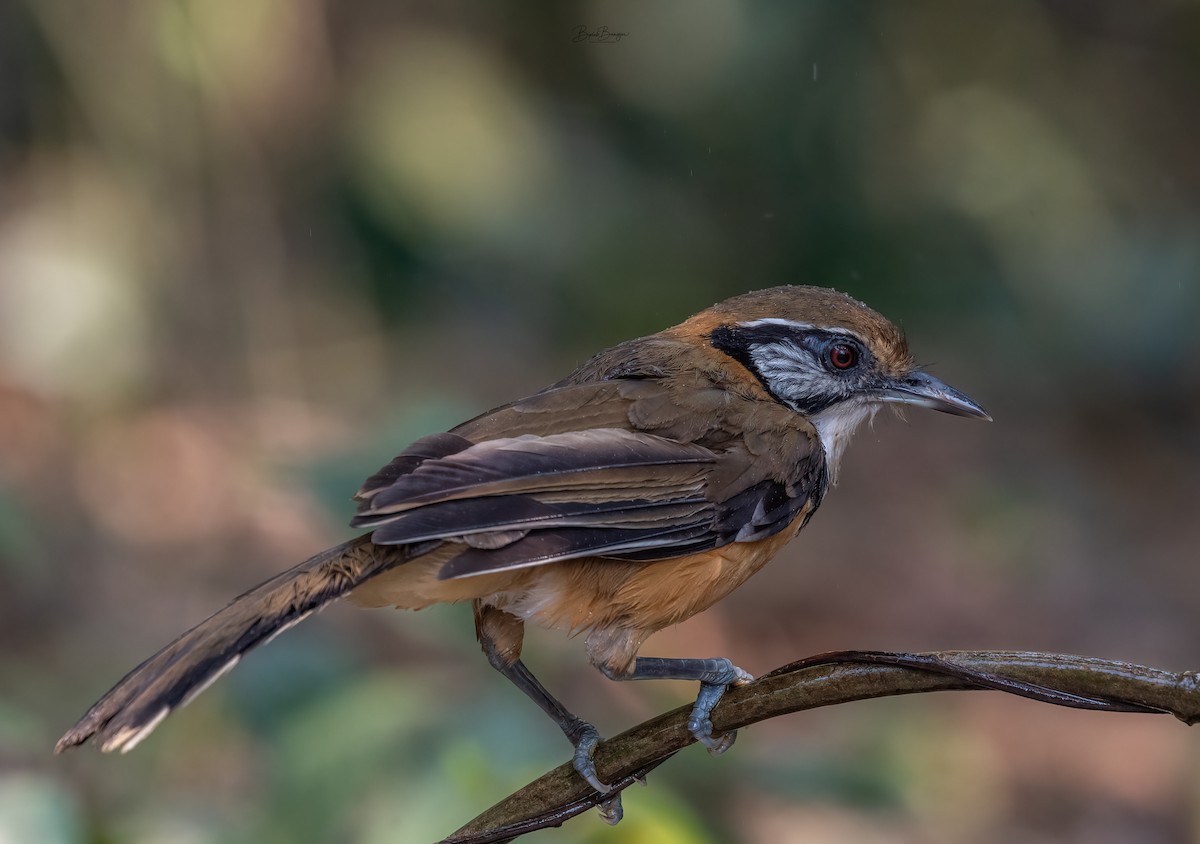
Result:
x=843 y=356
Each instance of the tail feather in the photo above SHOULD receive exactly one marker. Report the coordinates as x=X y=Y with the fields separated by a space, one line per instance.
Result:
x=186 y=667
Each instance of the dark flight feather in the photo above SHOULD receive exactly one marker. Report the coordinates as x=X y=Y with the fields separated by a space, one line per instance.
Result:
x=598 y=458
x=426 y=448
x=543 y=547
x=459 y=518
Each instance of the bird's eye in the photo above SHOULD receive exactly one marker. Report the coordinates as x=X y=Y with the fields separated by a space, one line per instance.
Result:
x=842 y=356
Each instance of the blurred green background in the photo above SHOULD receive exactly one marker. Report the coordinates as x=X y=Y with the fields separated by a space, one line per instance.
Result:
x=249 y=250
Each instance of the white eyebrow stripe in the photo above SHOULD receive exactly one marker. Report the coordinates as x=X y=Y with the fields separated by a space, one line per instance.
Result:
x=800 y=326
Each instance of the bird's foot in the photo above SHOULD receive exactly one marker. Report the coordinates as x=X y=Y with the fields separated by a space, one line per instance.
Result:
x=711 y=689
x=585 y=738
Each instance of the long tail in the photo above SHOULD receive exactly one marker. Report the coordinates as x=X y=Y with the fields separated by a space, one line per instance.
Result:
x=186 y=667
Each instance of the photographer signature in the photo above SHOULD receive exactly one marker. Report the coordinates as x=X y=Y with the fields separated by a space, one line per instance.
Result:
x=603 y=35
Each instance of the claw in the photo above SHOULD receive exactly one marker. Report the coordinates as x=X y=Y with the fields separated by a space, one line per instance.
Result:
x=717 y=745
x=585 y=746
x=702 y=729
x=611 y=810
x=741 y=677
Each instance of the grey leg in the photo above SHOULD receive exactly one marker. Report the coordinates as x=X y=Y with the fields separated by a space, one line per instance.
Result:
x=715 y=676
x=579 y=732
x=500 y=634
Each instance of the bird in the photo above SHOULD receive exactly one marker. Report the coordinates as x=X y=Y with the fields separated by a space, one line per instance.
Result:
x=634 y=493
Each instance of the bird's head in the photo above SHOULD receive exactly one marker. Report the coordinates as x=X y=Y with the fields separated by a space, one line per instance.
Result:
x=827 y=356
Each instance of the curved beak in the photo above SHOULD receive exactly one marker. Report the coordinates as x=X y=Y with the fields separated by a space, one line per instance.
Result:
x=921 y=389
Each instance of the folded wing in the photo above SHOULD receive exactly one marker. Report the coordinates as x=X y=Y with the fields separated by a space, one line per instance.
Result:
x=532 y=500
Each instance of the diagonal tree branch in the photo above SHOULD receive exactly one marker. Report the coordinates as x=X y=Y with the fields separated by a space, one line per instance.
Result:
x=1074 y=681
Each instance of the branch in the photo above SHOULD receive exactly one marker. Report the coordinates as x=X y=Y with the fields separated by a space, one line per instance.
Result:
x=1074 y=681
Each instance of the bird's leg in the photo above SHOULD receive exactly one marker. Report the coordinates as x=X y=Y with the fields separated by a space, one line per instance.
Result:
x=579 y=732
x=715 y=676
x=500 y=634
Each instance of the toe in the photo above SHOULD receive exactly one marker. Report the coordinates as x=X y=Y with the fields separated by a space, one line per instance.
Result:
x=719 y=744
x=611 y=810
x=702 y=729
x=582 y=761
x=703 y=732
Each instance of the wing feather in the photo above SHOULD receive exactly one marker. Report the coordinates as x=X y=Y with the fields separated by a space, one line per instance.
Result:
x=454 y=519
x=544 y=547
x=662 y=474
x=427 y=448
x=597 y=458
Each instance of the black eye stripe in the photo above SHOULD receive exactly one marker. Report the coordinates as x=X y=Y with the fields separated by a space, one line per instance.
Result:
x=737 y=340
x=743 y=342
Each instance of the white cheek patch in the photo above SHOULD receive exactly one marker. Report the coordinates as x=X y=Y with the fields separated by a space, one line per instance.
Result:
x=797 y=378
x=792 y=373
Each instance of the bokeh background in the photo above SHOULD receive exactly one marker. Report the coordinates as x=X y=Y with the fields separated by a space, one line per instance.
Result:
x=249 y=250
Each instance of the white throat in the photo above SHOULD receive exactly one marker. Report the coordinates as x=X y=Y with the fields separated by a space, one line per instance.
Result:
x=836 y=425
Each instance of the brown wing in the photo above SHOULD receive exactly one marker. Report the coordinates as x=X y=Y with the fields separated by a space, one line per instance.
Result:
x=530 y=500
x=655 y=473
